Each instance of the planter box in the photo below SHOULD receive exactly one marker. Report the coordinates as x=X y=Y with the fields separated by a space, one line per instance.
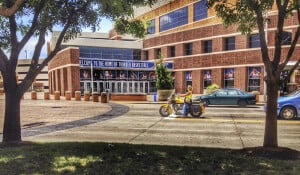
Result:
x=162 y=95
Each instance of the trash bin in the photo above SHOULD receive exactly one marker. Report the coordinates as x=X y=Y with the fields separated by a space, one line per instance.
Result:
x=103 y=97
x=154 y=97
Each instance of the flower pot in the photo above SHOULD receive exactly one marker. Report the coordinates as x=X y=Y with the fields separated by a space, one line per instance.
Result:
x=162 y=95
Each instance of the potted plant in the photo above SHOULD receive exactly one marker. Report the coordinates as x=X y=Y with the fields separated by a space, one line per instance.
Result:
x=164 y=81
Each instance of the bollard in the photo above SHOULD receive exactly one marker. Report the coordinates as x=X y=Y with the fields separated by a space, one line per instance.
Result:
x=86 y=96
x=68 y=95
x=46 y=96
x=77 y=95
x=103 y=97
x=57 y=95
x=95 y=97
x=33 y=95
x=154 y=97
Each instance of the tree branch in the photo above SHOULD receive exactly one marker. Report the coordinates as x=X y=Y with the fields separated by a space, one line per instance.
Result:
x=34 y=24
x=15 y=50
x=7 y=12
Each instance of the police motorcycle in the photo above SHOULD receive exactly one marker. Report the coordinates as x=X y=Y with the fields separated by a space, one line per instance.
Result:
x=175 y=106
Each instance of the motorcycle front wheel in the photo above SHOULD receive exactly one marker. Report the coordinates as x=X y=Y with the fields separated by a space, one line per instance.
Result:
x=164 y=111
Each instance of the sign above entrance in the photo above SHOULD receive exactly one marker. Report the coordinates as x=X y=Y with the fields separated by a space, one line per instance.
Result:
x=126 y=64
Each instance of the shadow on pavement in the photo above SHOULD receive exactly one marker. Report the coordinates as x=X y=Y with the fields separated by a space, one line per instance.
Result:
x=116 y=111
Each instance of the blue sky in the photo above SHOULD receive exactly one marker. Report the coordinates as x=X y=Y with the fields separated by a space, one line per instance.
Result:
x=105 y=26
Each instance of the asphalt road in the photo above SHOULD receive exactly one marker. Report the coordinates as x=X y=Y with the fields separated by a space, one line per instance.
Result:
x=137 y=123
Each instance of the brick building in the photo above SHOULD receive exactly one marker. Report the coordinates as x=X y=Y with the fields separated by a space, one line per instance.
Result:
x=191 y=36
x=99 y=62
x=185 y=33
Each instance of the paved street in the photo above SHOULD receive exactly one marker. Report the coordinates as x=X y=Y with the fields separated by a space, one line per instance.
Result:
x=140 y=123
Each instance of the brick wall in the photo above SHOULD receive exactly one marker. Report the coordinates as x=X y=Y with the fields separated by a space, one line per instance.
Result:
x=64 y=72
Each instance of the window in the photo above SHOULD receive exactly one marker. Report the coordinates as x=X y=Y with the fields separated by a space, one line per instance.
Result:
x=146 y=54
x=230 y=43
x=151 y=27
x=254 y=41
x=172 y=51
x=254 y=78
x=286 y=38
x=110 y=53
x=228 y=77
x=200 y=10
x=207 y=75
x=174 y=19
x=189 y=49
x=188 y=78
x=207 y=46
x=136 y=54
x=158 y=53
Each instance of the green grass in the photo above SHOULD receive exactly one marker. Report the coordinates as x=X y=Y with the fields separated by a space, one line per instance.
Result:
x=103 y=158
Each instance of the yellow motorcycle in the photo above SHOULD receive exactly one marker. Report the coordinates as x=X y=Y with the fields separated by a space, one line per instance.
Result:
x=175 y=106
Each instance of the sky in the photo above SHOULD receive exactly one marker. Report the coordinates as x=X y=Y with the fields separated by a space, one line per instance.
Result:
x=28 y=50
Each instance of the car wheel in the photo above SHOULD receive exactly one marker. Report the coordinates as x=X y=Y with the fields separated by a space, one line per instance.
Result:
x=242 y=103
x=288 y=113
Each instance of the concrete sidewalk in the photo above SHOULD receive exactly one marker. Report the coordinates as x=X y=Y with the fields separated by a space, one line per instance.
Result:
x=76 y=121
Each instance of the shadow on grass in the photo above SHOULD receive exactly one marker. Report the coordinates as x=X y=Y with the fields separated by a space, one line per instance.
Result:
x=105 y=158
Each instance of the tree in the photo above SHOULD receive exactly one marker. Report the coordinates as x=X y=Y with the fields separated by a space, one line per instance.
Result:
x=164 y=79
x=250 y=14
x=9 y=11
x=42 y=17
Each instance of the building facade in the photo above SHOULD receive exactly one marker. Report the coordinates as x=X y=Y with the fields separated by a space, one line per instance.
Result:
x=193 y=42
x=98 y=62
x=206 y=52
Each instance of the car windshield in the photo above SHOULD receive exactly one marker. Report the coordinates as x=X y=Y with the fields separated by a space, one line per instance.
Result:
x=294 y=93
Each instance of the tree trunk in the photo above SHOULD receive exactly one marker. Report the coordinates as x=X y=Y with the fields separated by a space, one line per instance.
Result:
x=270 y=137
x=12 y=124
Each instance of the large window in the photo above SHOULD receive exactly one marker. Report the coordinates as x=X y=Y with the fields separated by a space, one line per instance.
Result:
x=172 y=51
x=174 y=19
x=200 y=10
x=188 y=48
x=254 y=79
x=229 y=78
x=157 y=53
x=146 y=54
x=188 y=78
x=230 y=43
x=207 y=75
x=254 y=41
x=110 y=53
x=286 y=38
x=207 y=46
x=151 y=27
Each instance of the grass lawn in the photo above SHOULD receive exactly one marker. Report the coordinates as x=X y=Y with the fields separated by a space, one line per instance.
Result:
x=103 y=158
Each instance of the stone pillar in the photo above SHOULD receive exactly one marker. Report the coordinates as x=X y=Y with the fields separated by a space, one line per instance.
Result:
x=33 y=95
x=57 y=95
x=77 y=95
x=95 y=97
x=46 y=96
x=68 y=95
x=86 y=96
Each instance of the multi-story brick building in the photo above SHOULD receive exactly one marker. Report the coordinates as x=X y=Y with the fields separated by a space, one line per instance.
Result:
x=186 y=33
x=191 y=36
x=99 y=62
